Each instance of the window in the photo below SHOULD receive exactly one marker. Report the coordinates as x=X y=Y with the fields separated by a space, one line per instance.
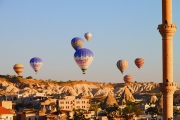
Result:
x=14 y=98
x=61 y=102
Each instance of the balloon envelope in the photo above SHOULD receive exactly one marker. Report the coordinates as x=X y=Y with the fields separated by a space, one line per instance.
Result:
x=122 y=65
x=83 y=57
x=139 y=62
x=128 y=78
x=36 y=63
x=88 y=36
x=18 y=68
x=77 y=43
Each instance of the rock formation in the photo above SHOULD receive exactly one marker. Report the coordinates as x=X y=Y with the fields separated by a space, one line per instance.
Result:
x=79 y=88
x=159 y=104
x=153 y=99
x=110 y=100
x=126 y=96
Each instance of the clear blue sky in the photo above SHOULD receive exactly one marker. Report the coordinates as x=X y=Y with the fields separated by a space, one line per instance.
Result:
x=121 y=29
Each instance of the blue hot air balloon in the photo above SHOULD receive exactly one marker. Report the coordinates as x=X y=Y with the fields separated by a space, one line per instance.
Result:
x=77 y=43
x=36 y=63
x=83 y=58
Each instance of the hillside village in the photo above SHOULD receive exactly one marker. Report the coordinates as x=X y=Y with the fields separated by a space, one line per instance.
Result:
x=31 y=99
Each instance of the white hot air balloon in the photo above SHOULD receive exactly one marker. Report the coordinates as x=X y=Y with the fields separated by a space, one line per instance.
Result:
x=122 y=65
x=88 y=36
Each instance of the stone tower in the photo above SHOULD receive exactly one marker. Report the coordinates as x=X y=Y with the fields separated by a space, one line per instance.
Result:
x=168 y=87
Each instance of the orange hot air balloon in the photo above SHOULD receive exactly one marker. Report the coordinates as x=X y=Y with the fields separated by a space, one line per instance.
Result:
x=139 y=62
x=122 y=65
x=18 y=68
x=128 y=78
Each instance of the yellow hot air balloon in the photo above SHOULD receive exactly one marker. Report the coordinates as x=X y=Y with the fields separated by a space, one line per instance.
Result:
x=18 y=68
x=139 y=62
x=122 y=65
x=88 y=36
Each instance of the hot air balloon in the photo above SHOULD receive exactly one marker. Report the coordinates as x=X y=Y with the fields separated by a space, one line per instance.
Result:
x=128 y=78
x=77 y=43
x=139 y=62
x=18 y=68
x=36 y=63
x=83 y=58
x=88 y=36
x=122 y=65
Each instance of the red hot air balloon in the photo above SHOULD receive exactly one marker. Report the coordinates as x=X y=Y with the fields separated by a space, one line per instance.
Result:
x=128 y=78
x=139 y=62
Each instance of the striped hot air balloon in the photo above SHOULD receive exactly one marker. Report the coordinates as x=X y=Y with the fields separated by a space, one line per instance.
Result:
x=88 y=36
x=139 y=62
x=128 y=78
x=18 y=68
x=77 y=43
x=122 y=65
x=83 y=58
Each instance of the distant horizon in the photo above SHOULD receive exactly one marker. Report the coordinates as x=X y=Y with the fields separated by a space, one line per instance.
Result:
x=51 y=80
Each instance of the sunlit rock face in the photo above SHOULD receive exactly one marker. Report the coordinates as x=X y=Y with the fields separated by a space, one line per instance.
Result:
x=153 y=99
x=80 y=88
x=110 y=100
x=126 y=96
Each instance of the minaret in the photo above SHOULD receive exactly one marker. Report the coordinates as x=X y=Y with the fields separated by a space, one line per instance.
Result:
x=168 y=87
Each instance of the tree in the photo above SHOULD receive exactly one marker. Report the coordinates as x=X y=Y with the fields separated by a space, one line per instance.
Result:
x=29 y=77
x=68 y=116
x=78 y=116
x=94 y=108
x=151 y=110
x=132 y=108
x=19 y=105
x=19 y=76
x=138 y=110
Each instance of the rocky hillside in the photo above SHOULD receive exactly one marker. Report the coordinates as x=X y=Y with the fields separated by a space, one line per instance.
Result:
x=80 y=88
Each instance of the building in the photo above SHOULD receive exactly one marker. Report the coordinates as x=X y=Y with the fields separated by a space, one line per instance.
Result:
x=62 y=116
x=27 y=114
x=70 y=103
x=146 y=106
x=48 y=106
x=89 y=114
x=5 y=114
x=6 y=104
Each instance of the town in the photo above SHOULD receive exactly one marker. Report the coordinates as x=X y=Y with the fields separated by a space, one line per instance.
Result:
x=29 y=99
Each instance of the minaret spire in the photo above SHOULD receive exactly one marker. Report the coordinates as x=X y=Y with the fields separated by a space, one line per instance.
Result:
x=167 y=11
x=168 y=87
